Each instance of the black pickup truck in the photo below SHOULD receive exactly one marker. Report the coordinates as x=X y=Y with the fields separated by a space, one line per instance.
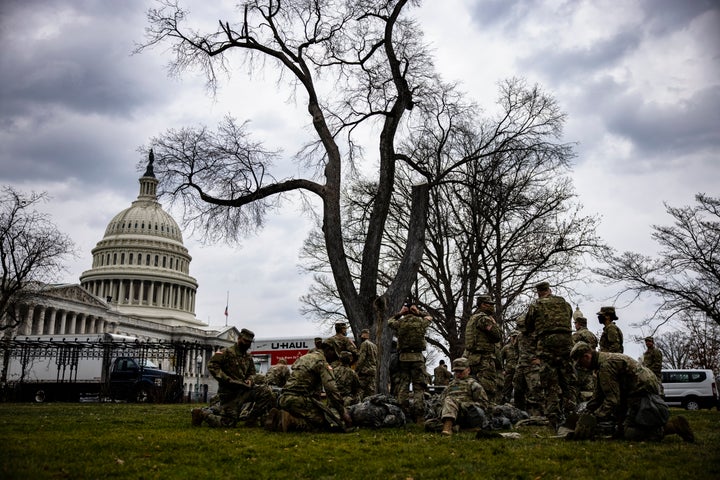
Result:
x=128 y=379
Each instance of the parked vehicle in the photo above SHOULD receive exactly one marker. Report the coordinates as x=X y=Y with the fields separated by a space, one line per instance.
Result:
x=692 y=389
x=101 y=367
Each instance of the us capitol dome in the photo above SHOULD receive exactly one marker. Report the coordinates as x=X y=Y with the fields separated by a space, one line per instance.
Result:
x=141 y=266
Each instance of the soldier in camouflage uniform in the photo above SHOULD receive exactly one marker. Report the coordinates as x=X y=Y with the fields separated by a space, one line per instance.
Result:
x=611 y=339
x=410 y=326
x=652 y=358
x=585 y=378
x=278 y=374
x=509 y=357
x=347 y=380
x=527 y=389
x=301 y=399
x=441 y=375
x=627 y=395
x=462 y=393
x=482 y=334
x=234 y=370
x=549 y=318
x=366 y=366
x=342 y=343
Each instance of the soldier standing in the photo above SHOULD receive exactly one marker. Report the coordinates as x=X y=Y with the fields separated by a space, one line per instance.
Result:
x=611 y=339
x=441 y=375
x=366 y=366
x=461 y=394
x=342 y=343
x=482 y=333
x=410 y=326
x=549 y=318
x=234 y=369
x=652 y=358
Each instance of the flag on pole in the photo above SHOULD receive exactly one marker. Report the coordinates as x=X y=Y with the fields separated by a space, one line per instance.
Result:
x=226 y=310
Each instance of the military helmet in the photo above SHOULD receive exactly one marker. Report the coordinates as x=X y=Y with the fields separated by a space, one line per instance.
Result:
x=608 y=311
x=579 y=349
x=460 y=364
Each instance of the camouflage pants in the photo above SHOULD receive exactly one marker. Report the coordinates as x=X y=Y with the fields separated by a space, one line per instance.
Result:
x=507 y=388
x=412 y=373
x=236 y=405
x=527 y=389
x=557 y=376
x=315 y=413
x=482 y=367
x=368 y=386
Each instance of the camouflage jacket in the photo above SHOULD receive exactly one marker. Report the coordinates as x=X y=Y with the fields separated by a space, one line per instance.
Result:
x=619 y=377
x=442 y=375
x=481 y=334
x=347 y=382
x=611 y=339
x=231 y=364
x=344 y=344
x=509 y=356
x=311 y=373
x=526 y=349
x=466 y=390
x=278 y=375
x=652 y=359
x=410 y=330
x=585 y=335
x=367 y=359
x=549 y=315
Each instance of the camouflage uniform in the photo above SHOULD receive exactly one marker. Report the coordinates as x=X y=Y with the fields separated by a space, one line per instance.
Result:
x=278 y=375
x=585 y=378
x=611 y=340
x=366 y=368
x=509 y=356
x=621 y=384
x=441 y=375
x=347 y=381
x=410 y=328
x=549 y=318
x=482 y=334
x=342 y=343
x=526 y=382
x=301 y=397
x=652 y=359
x=232 y=368
x=459 y=396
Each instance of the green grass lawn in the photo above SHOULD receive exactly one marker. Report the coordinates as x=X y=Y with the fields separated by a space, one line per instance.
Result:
x=105 y=441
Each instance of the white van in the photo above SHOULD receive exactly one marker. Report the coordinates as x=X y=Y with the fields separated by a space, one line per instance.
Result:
x=691 y=389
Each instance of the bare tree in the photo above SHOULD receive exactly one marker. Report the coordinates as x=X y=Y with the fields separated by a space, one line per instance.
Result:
x=32 y=251
x=501 y=216
x=379 y=70
x=686 y=274
x=674 y=347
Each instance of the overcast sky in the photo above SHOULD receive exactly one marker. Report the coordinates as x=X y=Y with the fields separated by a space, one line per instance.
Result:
x=639 y=80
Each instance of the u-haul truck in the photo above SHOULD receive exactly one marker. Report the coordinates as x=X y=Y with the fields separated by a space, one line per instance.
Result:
x=267 y=351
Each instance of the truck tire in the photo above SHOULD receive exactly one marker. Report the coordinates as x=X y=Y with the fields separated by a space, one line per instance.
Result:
x=40 y=396
x=143 y=394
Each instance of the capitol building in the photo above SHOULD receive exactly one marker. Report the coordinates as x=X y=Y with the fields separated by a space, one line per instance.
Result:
x=139 y=285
